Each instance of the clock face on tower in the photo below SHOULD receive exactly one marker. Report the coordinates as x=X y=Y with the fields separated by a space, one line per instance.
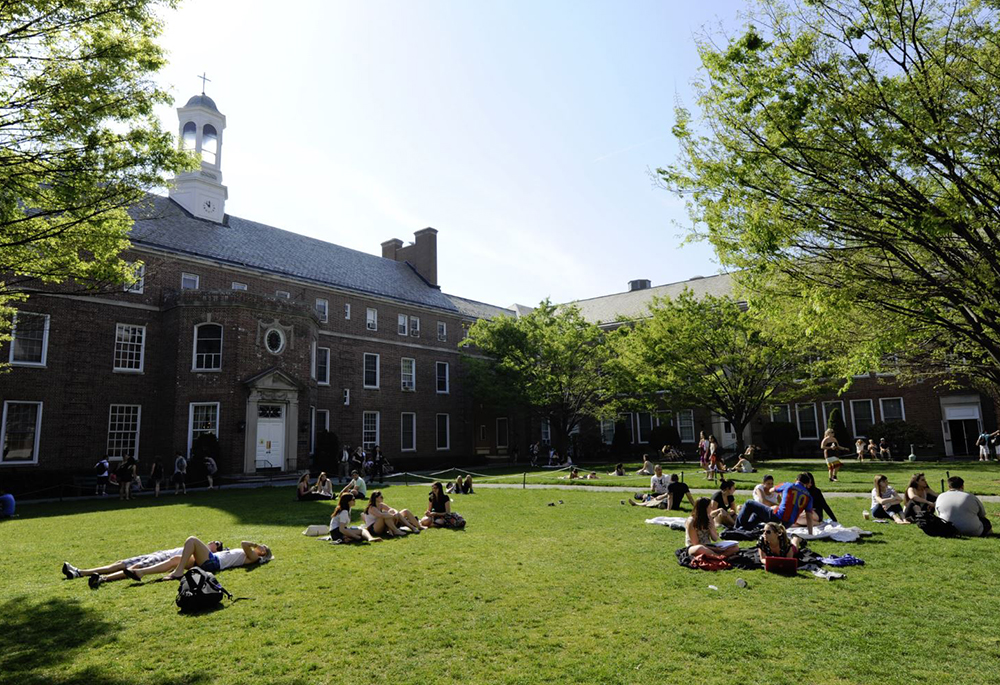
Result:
x=209 y=207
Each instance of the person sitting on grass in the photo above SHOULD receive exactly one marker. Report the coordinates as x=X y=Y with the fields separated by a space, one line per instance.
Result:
x=658 y=482
x=774 y=542
x=671 y=453
x=794 y=499
x=963 y=510
x=701 y=534
x=302 y=488
x=671 y=499
x=324 y=486
x=163 y=559
x=378 y=519
x=820 y=506
x=341 y=529
x=885 y=502
x=918 y=497
x=356 y=486
x=439 y=513
x=403 y=518
x=764 y=492
x=647 y=467
x=724 y=504
x=745 y=465
x=467 y=488
x=619 y=470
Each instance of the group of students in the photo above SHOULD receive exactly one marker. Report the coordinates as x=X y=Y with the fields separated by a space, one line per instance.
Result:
x=126 y=476
x=380 y=520
x=323 y=488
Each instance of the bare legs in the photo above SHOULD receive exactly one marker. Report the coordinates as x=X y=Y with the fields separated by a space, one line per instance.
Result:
x=711 y=550
x=193 y=548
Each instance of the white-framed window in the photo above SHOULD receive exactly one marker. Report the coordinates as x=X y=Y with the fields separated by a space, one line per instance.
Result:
x=443 y=437
x=323 y=419
x=371 y=370
x=443 y=383
x=863 y=417
x=138 y=285
x=203 y=419
x=408 y=374
x=312 y=430
x=545 y=431
x=123 y=430
x=403 y=324
x=323 y=309
x=626 y=418
x=371 y=319
x=190 y=281
x=805 y=414
x=781 y=413
x=207 y=347
x=607 y=431
x=29 y=344
x=645 y=423
x=408 y=432
x=347 y=397
x=892 y=409
x=502 y=433
x=130 y=346
x=274 y=340
x=347 y=312
x=414 y=326
x=442 y=331
x=369 y=429
x=829 y=407
x=685 y=425
x=20 y=432
x=323 y=366
x=239 y=286
x=283 y=294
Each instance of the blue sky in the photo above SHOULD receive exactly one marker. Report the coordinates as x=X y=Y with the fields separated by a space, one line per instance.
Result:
x=524 y=132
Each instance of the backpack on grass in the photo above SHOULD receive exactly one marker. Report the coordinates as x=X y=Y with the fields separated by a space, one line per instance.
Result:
x=935 y=526
x=199 y=590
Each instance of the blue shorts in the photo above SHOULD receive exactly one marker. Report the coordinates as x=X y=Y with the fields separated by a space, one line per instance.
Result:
x=211 y=564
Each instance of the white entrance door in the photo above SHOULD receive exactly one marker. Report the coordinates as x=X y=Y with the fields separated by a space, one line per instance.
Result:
x=271 y=436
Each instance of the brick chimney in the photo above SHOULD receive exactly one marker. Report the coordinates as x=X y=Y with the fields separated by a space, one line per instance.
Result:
x=421 y=254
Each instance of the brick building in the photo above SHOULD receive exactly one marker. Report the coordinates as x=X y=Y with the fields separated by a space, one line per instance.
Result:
x=953 y=418
x=256 y=335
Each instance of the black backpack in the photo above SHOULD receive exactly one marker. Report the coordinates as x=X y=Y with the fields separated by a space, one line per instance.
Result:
x=935 y=526
x=199 y=590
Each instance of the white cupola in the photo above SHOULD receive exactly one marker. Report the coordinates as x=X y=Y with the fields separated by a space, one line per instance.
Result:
x=201 y=192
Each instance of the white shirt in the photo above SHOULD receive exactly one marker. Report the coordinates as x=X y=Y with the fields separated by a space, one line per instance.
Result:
x=963 y=510
x=658 y=484
x=345 y=457
x=760 y=496
x=886 y=494
x=231 y=558
x=344 y=517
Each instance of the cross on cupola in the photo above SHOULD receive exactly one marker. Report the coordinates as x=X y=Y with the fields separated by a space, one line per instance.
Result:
x=204 y=78
x=200 y=191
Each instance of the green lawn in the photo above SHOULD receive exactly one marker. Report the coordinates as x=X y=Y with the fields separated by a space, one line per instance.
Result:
x=582 y=592
x=980 y=478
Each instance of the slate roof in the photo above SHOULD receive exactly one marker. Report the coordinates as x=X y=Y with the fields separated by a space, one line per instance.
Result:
x=635 y=304
x=202 y=101
x=163 y=224
x=478 y=310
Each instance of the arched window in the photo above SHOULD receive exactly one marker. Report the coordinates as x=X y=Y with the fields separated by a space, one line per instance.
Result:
x=209 y=143
x=188 y=136
x=207 y=347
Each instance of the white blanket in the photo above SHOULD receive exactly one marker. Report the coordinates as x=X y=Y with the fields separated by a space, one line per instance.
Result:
x=834 y=531
x=675 y=522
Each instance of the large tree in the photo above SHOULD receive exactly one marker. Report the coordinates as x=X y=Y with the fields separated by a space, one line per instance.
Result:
x=717 y=353
x=551 y=360
x=79 y=141
x=853 y=148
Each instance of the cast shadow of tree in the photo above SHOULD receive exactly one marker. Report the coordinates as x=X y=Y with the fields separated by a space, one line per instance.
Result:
x=36 y=636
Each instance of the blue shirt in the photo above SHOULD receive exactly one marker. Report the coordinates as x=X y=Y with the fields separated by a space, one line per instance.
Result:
x=7 y=505
x=795 y=499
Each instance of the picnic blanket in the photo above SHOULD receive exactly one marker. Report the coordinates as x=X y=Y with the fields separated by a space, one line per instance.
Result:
x=830 y=530
x=748 y=559
x=675 y=522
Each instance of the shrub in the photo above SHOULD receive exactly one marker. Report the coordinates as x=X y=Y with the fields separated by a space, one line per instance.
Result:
x=621 y=445
x=327 y=455
x=900 y=435
x=664 y=434
x=780 y=438
x=836 y=422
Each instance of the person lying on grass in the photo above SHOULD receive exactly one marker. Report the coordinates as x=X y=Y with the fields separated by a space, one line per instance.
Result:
x=458 y=486
x=619 y=470
x=701 y=535
x=671 y=499
x=197 y=553
x=116 y=571
x=774 y=542
x=340 y=523
x=380 y=518
x=724 y=504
